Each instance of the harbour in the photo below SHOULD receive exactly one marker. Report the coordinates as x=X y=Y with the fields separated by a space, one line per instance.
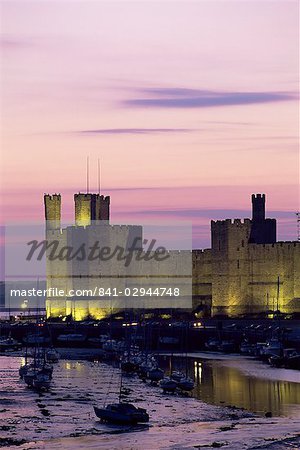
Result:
x=229 y=389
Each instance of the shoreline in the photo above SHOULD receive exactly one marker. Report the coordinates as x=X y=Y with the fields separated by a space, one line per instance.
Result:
x=242 y=362
x=246 y=364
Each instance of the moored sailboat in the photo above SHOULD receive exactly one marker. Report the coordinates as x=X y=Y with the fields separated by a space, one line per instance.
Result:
x=122 y=413
x=168 y=385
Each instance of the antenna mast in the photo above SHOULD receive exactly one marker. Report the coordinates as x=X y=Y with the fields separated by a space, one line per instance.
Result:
x=298 y=225
x=98 y=176
x=87 y=175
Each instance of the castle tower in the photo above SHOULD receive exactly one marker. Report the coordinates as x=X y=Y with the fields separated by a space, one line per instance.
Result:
x=90 y=207
x=230 y=266
x=52 y=211
x=263 y=231
x=83 y=209
x=104 y=207
x=258 y=207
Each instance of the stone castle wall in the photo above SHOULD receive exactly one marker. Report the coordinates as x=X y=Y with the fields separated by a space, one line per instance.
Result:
x=236 y=276
x=274 y=278
x=202 y=280
x=245 y=275
x=87 y=274
x=174 y=272
x=232 y=278
x=57 y=276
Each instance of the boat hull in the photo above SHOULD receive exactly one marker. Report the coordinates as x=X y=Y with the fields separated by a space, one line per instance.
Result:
x=168 y=385
x=186 y=385
x=108 y=415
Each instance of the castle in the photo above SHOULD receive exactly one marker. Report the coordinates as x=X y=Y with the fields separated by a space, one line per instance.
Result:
x=112 y=258
x=245 y=271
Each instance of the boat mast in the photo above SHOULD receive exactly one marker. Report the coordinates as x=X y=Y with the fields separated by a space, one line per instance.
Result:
x=186 y=348
x=120 y=392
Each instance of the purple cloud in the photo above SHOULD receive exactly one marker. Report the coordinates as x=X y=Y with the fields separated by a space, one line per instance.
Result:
x=194 y=98
x=213 y=214
x=135 y=130
x=10 y=43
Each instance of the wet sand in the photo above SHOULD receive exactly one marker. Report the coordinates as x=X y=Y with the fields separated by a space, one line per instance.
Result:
x=233 y=435
x=64 y=419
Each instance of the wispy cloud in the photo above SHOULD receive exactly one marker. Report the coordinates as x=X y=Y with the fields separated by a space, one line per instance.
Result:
x=13 y=43
x=197 y=98
x=213 y=214
x=134 y=131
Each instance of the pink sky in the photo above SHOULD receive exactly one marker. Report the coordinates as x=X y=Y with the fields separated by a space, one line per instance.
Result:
x=191 y=106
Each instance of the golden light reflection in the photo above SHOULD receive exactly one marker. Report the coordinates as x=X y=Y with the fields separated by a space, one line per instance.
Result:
x=217 y=383
x=68 y=365
x=198 y=371
x=72 y=365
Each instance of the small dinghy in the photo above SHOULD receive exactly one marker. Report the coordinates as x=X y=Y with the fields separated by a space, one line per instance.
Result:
x=168 y=385
x=176 y=375
x=186 y=384
x=155 y=375
x=128 y=367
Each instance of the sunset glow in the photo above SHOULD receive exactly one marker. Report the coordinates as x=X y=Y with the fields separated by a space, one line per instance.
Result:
x=190 y=106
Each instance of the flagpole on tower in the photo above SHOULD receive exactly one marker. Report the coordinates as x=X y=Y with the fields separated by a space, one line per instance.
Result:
x=99 y=176
x=87 y=175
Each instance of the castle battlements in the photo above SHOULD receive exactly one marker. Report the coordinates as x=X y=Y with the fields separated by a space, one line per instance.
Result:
x=89 y=195
x=259 y=196
x=228 y=222
x=52 y=196
x=201 y=252
x=280 y=244
x=277 y=247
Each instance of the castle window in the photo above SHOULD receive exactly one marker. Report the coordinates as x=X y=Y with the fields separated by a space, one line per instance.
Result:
x=238 y=249
x=243 y=243
x=219 y=244
x=238 y=263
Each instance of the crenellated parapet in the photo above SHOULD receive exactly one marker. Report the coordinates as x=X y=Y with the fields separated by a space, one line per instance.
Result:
x=228 y=222
x=230 y=234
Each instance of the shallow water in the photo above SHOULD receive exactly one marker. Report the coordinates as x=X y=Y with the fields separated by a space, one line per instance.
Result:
x=219 y=383
x=67 y=409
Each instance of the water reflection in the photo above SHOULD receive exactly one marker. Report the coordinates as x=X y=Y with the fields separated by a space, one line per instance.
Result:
x=198 y=372
x=220 y=384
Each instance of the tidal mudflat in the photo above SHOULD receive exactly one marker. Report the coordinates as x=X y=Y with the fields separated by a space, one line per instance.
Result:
x=223 y=411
